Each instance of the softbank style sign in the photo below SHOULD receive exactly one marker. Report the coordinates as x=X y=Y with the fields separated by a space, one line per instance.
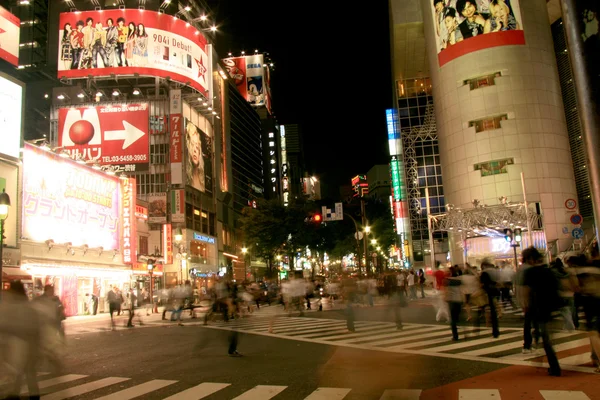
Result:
x=465 y=26
x=127 y=42
x=115 y=134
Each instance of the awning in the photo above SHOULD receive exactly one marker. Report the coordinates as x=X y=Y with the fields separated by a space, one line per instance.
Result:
x=15 y=272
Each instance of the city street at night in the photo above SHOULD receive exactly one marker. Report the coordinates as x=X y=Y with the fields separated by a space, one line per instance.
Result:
x=313 y=357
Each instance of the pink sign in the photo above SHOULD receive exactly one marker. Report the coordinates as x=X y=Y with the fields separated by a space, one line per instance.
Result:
x=67 y=202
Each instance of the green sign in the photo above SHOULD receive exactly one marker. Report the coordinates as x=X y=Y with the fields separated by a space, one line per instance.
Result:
x=395 y=168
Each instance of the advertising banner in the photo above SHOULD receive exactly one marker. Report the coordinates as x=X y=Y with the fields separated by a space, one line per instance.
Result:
x=465 y=26
x=175 y=131
x=178 y=205
x=168 y=243
x=248 y=73
x=9 y=180
x=128 y=42
x=10 y=28
x=11 y=116
x=111 y=134
x=157 y=209
x=66 y=202
x=198 y=158
x=129 y=225
x=158 y=125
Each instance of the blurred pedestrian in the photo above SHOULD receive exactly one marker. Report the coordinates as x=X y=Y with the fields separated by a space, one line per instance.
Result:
x=20 y=332
x=130 y=306
x=541 y=298
x=454 y=297
x=51 y=314
x=488 y=280
x=410 y=281
x=113 y=304
x=422 y=279
x=567 y=286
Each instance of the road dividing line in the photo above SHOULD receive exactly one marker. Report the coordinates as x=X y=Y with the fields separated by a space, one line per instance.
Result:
x=328 y=394
x=138 y=390
x=401 y=394
x=261 y=392
x=198 y=392
x=478 y=394
x=83 y=389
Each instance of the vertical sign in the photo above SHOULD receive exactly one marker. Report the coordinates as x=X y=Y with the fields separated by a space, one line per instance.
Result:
x=177 y=205
x=10 y=27
x=175 y=129
x=224 y=181
x=129 y=236
x=168 y=243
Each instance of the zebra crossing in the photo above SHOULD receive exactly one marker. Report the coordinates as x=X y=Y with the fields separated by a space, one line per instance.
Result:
x=123 y=388
x=477 y=344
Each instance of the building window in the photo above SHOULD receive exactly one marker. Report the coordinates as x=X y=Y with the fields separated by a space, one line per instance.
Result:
x=143 y=245
x=159 y=153
x=483 y=81
x=494 y=167
x=488 y=123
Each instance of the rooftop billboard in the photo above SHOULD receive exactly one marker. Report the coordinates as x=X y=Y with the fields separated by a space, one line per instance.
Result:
x=128 y=42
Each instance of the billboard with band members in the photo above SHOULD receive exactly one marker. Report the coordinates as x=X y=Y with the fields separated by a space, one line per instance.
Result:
x=127 y=42
x=465 y=26
x=198 y=158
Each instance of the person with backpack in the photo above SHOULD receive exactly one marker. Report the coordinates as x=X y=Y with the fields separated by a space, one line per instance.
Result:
x=540 y=298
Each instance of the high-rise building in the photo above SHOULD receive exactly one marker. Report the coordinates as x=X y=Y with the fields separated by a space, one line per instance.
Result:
x=378 y=178
x=296 y=167
x=498 y=114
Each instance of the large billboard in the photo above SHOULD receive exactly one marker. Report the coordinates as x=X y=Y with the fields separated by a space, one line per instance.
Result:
x=66 y=202
x=10 y=28
x=115 y=134
x=465 y=26
x=128 y=42
x=198 y=158
x=250 y=77
x=11 y=115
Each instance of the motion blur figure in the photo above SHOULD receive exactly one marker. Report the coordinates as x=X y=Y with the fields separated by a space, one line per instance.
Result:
x=20 y=339
x=51 y=314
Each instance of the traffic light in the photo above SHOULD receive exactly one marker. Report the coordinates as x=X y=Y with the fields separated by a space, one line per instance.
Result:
x=518 y=236
x=318 y=218
x=508 y=235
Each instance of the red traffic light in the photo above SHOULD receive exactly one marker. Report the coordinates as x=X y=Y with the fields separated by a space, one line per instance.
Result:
x=317 y=218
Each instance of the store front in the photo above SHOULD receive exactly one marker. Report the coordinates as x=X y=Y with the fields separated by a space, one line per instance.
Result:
x=498 y=249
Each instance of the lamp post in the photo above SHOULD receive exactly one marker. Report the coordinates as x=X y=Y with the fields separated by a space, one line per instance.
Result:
x=4 y=206
x=181 y=252
x=244 y=252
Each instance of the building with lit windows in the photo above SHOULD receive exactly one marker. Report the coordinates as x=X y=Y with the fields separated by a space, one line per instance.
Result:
x=378 y=179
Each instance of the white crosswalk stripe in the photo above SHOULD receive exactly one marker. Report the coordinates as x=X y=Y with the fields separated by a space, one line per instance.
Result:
x=475 y=343
x=116 y=388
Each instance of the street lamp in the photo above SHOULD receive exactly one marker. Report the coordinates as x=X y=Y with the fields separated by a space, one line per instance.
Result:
x=182 y=252
x=4 y=207
x=244 y=252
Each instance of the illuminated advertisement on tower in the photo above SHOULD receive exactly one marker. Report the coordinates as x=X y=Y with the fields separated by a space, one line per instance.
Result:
x=66 y=202
x=198 y=158
x=128 y=42
x=249 y=75
x=115 y=134
x=466 y=26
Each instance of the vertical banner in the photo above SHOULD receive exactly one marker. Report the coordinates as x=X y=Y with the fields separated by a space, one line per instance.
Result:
x=236 y=67
x=128 y=230
x=177 y=205
x=255 y=74
x=168 y=243
x=157 y=210
x=224 y=159
x=175 y=130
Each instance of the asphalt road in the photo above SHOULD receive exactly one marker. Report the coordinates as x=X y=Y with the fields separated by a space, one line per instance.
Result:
x=306 y=358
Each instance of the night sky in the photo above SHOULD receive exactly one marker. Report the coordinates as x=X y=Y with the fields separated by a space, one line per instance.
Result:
x=332 y=75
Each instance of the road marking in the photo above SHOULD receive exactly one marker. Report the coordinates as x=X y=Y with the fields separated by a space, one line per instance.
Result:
x=469 y=343
x=447 y=336
x=328 y=394
x=511 y=345
x=384 y=333
x=261 y=392
x=83 y=389
x=563 y=395
x=393 y=337
x=56 y=381
x=578 y=359
x=138 y=390
x=559 y=347
x=478 y=394
x=401 y=394
x=198 y=392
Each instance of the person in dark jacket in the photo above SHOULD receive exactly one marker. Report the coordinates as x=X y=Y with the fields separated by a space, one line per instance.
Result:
x=541 y=298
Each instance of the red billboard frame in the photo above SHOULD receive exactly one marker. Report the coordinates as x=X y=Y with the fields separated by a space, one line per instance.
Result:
x=171 y=48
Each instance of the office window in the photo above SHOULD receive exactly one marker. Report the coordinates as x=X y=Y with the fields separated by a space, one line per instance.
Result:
x=482 y=81
x=488 y=123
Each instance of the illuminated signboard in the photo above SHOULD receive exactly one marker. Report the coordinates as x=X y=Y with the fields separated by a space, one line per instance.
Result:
x=198 y=157
x=132 y=42
x=115 y=134
x=11 y=116
x=284 y=167
x=204 y=238
x=466 y=26
x=248 y=73
x=67 y=202
x=394 y=140
x=141 y=212
x=128 y=230
x=10 y=28
x=395 y=171
x=168 y=243
x=176 y=128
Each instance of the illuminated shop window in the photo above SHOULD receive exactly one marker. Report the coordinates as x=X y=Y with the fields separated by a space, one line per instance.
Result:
x=483 y=81
x=494 y=167
x=488 y=123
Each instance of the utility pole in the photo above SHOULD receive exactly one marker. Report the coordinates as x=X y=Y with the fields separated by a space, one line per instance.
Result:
x=365 y=224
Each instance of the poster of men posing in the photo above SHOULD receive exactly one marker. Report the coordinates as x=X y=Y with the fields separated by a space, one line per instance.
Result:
x=100 y=44
x=459 y=20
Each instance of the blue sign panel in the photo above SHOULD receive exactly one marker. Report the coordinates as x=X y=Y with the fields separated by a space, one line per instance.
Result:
x=577 y=233
x=391 y=117
x=204 y=238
